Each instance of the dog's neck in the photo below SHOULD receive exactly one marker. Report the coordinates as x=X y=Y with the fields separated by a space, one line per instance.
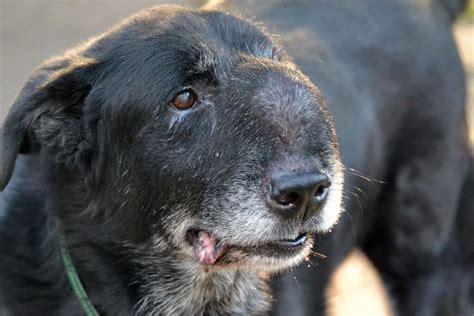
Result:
x=173 y=287
x=168 y=285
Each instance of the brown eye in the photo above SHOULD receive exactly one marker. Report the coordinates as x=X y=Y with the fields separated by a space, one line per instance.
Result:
x=184 y=99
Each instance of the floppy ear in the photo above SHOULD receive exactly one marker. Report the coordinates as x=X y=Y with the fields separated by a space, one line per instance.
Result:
x=48 y=114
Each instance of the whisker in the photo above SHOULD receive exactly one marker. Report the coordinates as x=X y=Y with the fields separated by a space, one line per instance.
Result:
x=358 y=189
x=315 y=270
x=352 y=223
x=317 y=254
x=363 y=176
x=357 y=199
x=295 y=280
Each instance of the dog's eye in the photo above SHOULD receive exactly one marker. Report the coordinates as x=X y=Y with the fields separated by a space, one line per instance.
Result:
x=185 y=99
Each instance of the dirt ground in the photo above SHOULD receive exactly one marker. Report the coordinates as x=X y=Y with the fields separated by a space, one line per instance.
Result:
x=32 y=30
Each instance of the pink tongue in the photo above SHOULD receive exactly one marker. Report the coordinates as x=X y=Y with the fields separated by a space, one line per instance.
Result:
x=206 y=249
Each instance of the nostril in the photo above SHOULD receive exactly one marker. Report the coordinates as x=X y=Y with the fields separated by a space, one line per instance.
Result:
x=320 y=193
x=290 y=198
x=322 y=190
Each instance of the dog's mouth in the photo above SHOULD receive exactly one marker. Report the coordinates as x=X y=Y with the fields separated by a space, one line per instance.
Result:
x=210 y=250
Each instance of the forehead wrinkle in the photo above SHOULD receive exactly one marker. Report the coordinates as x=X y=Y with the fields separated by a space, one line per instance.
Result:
x=239 y=35
x=206 y=61
x=200 y=52
x=216 y=46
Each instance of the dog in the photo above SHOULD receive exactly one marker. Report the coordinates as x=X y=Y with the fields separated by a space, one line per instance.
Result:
x=182 y=157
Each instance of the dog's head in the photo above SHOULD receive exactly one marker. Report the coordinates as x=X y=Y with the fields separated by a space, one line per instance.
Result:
x=189 y=131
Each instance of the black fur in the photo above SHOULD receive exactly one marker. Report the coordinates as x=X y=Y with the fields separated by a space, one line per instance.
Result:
x=105 y=158
x=392 y=77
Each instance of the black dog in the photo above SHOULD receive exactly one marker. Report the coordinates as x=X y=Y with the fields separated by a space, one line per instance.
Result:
x=182 y=154
x=393 y=80
x=165 y=152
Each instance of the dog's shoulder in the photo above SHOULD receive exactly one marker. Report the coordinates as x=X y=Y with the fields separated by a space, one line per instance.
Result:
x=23 y=232
x=27 y=192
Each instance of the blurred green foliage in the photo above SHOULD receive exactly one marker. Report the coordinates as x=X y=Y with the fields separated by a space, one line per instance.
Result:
x=469 y=13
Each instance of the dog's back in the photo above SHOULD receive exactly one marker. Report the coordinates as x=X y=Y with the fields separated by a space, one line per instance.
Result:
x=393 y=79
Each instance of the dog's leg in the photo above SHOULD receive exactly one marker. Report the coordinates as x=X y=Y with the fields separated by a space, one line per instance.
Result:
x=419 y=208
x=301 y=291
x=446 y=290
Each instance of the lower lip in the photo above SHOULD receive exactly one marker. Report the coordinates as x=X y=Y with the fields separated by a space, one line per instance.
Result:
x=297 y=242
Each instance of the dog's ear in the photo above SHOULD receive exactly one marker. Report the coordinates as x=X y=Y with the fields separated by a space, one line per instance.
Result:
x=48 y=114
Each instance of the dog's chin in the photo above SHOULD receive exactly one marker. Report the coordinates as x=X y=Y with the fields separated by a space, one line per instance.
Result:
x=273 y=262
x=270 y=256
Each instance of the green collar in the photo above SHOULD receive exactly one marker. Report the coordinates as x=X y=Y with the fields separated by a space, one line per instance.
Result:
x=74 y=280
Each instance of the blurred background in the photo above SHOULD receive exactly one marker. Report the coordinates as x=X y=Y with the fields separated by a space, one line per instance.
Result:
x=33 y=30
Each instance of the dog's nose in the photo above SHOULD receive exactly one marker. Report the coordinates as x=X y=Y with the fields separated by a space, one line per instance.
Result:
x=298 y=193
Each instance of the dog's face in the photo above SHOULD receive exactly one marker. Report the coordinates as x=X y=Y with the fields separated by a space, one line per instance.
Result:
x=194 y=136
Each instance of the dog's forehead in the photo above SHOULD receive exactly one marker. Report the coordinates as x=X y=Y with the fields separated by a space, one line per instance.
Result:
x=203 y=35
x=240 y=35
x=157 y=51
